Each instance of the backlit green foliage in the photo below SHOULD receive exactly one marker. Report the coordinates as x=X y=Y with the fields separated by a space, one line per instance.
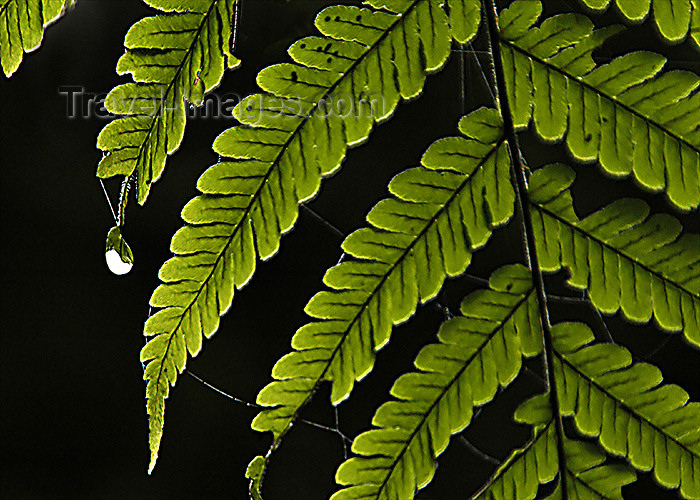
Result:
x=478 y=352
x=415 y=240
x=519 y=477
x=629 y=115
x=674 y=18
x=626 y=259
x=276 y=160
x=175 y=56
x=22 y=25
x=623 y=405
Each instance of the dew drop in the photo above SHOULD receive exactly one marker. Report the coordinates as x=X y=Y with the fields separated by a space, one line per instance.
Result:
x=116 y=264
x=118 y=255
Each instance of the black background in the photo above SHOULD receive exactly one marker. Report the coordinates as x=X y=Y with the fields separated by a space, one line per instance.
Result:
x=73 y=413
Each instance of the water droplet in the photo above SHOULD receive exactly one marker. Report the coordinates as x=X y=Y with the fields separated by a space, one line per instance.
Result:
x=116 y=264
x=118 y=255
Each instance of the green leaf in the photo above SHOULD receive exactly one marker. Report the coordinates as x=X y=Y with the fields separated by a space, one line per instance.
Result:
x=172 y=57
x=479 y=351
x=673 y=17
x=465 y=16
x=588 y=477
x=626 y=407
x=415 y=240
x=627 y=114
x=22 y=25
x=339 y=85
x=254 y=473
x=625 y=258
x=519 y=477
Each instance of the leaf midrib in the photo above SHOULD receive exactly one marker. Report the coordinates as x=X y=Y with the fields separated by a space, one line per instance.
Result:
x=616 y=251
x=157 y=117
x=631 y=411
x=407 y=250
x=390 y=270
x=599 y=92
x=526 y=448
x=496 y=330
x=273 y=164
x=150 y=129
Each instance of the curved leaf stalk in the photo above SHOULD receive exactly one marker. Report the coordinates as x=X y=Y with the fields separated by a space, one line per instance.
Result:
x=626 y=259
x=523 y=201
x=624 y=406
x=479 y=351
x=123 y=202
x=627 y=114
x=519 y=477
x=172 y=57
x=22 y=24
x=292 y=136
x=413 y=243
x=675 y=19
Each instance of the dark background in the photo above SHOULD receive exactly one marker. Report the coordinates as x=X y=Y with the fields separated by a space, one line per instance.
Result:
x=73 y=414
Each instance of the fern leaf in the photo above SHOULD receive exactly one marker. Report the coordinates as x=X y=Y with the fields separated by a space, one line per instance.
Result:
x=291 y=137
x=673 y=17
x=628 y=115
x=173 y=56
x=22 y=25
x=478 y=352
x=625 y=406
x=414 y=241
x=519 y=477
x=464 y=18
x=525 y=469
x=626 y=259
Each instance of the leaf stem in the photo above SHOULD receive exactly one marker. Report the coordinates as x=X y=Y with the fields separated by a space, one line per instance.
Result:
x=523 y=201
x=123 y=201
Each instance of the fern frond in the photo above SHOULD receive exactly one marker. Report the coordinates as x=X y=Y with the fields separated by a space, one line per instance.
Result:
x=414 y=241
x=174 y=56
x=588 y=477
x=22 y=24
x=626 y=114
x=478 y=351
x=292 y=136
x=626 y=259
x=673 y=17
x=627 y=408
